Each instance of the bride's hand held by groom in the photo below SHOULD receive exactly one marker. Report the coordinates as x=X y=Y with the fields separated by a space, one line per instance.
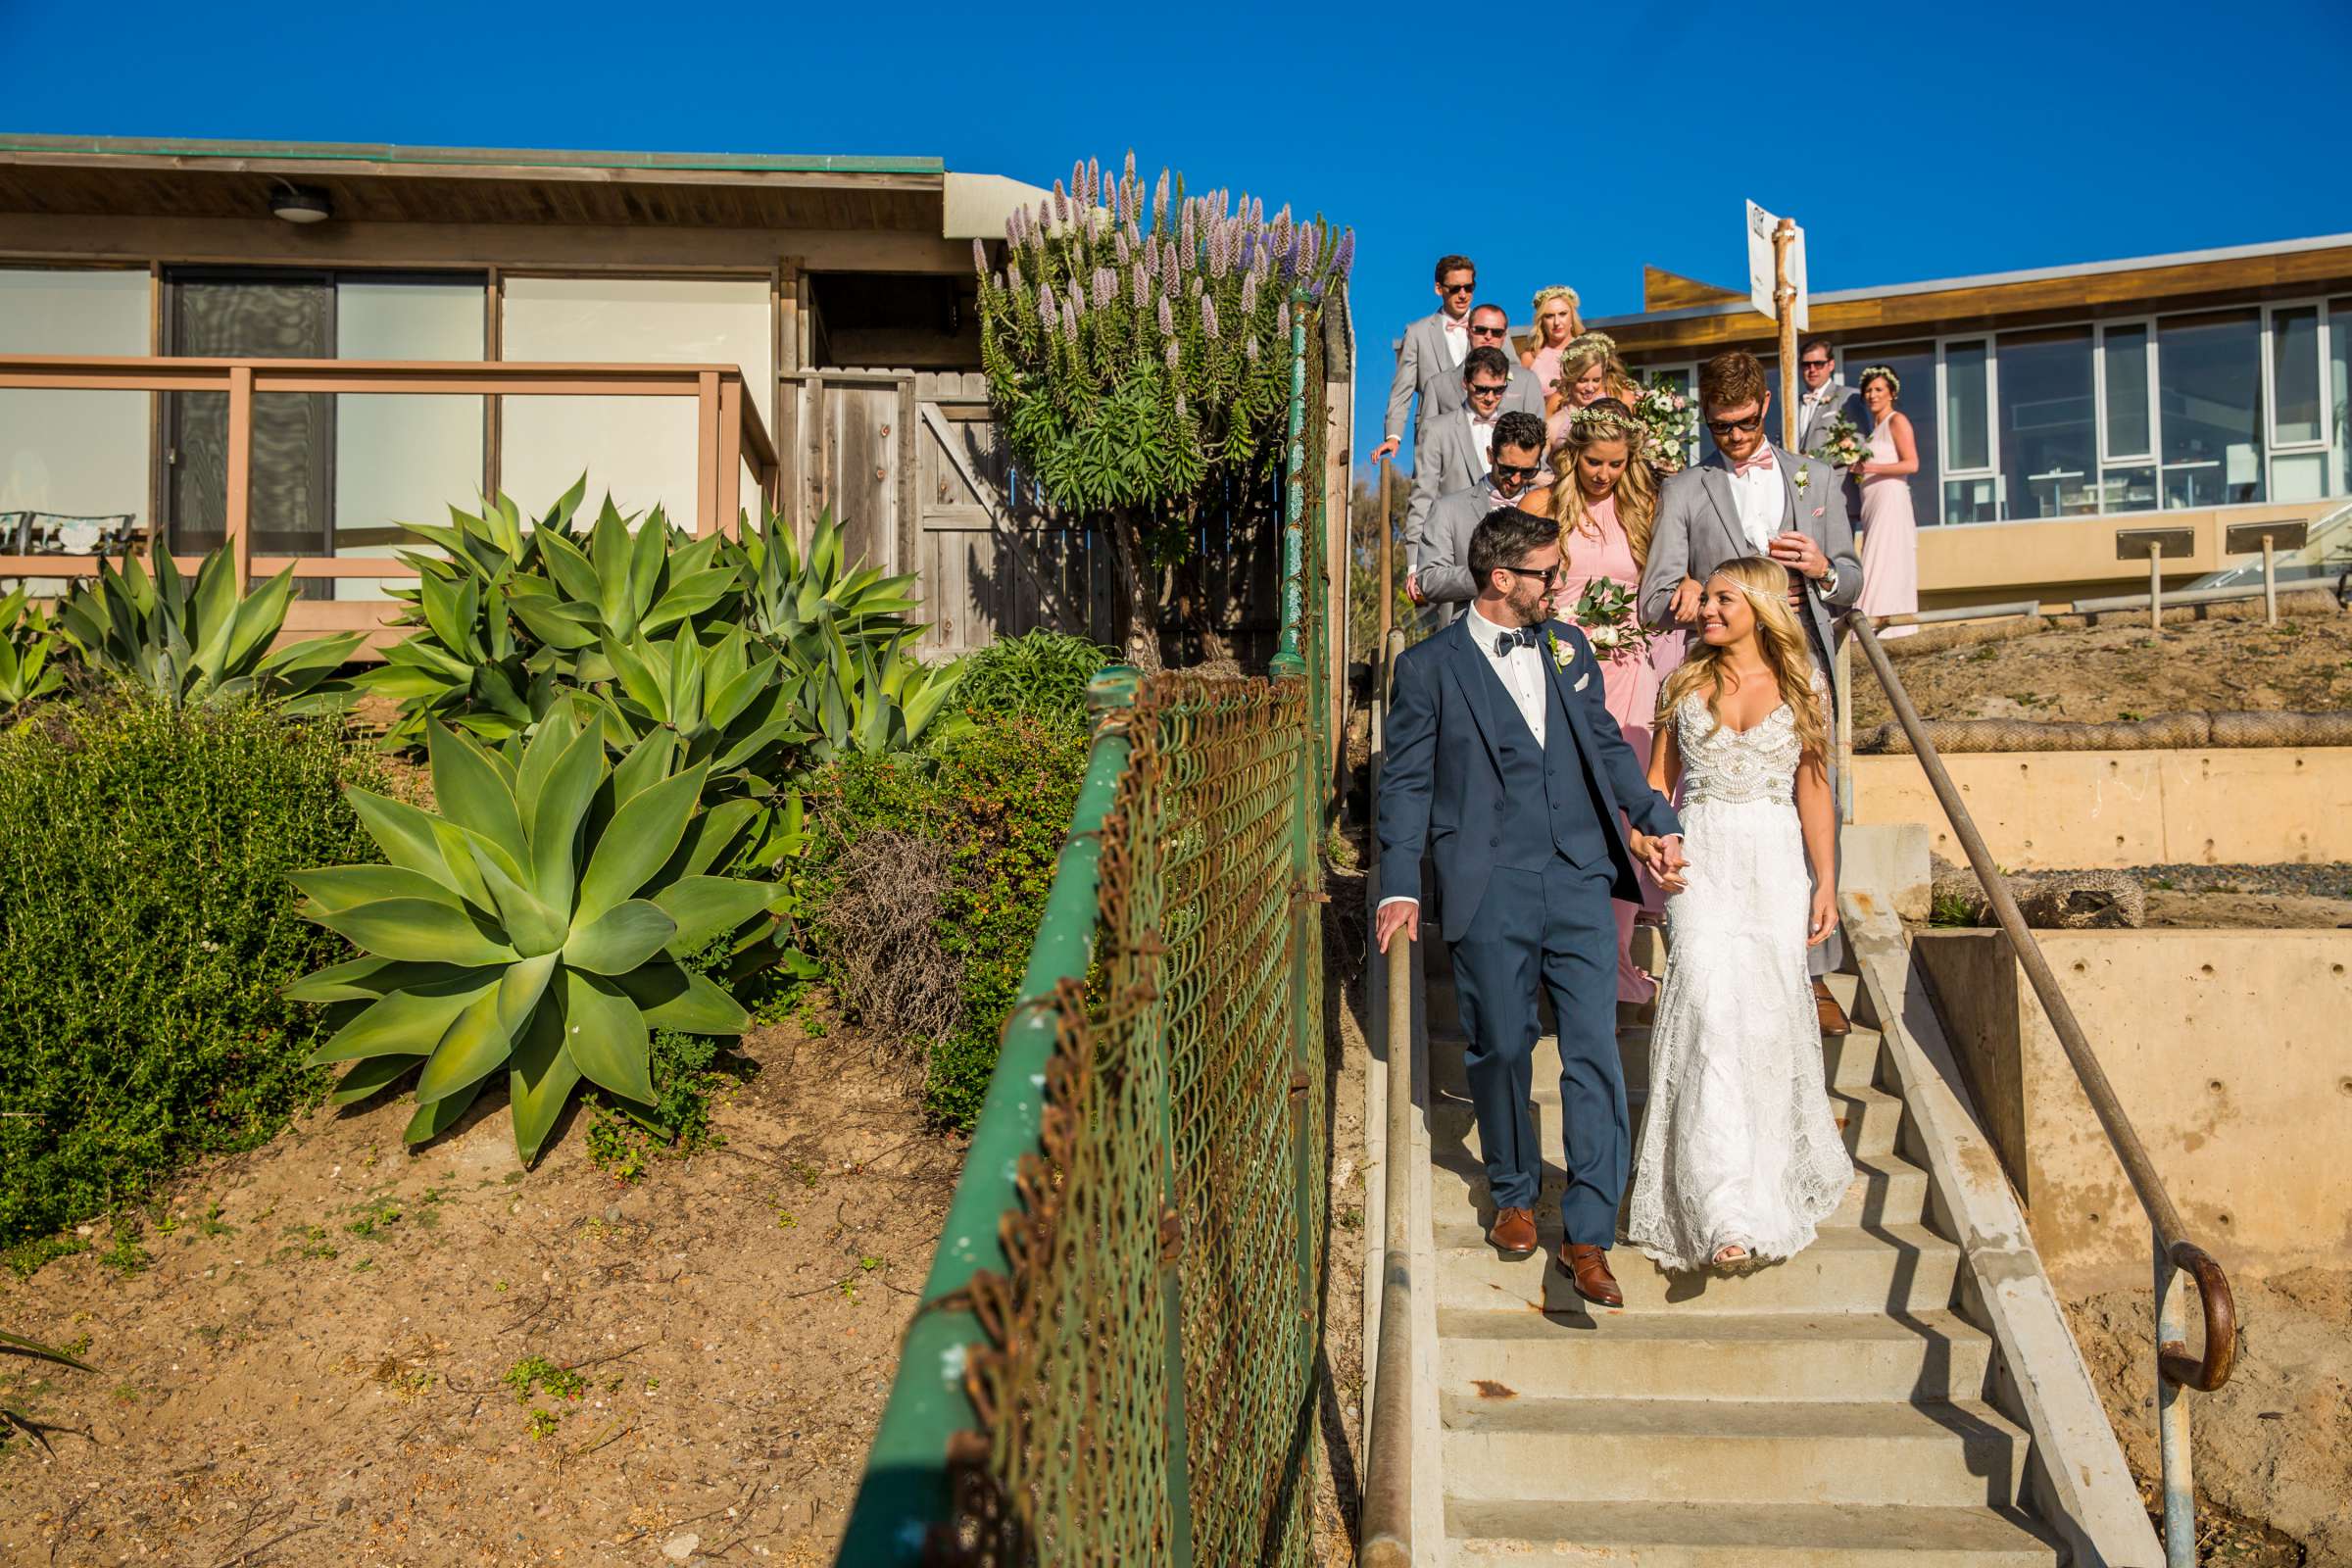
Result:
x=1663 y=854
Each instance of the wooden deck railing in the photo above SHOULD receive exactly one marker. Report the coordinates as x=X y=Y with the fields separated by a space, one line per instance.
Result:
x=729 y=433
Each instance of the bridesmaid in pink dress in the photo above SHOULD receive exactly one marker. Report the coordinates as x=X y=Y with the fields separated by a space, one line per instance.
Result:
x=1557 y=322
x=1890 y=530
x=1605 y=509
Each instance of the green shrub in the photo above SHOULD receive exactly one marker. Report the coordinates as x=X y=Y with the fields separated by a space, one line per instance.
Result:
x=146 y=933
x=999 y=797
x=1042 y=675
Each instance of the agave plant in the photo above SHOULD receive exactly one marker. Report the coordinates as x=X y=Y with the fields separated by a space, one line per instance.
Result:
x=791 y=595
x=26 y=644
x=536 y=924
x=205 y=643
x=862 y=702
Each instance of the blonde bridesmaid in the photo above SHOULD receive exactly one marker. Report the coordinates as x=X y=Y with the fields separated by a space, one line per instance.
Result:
x=1557 y=322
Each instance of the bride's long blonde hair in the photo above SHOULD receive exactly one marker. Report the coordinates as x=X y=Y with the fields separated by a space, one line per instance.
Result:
x=1707 y=667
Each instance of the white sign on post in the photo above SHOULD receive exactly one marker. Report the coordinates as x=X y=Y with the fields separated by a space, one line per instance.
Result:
x=1760 y=278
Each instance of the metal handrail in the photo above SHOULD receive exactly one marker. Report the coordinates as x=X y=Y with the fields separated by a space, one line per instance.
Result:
x=1385 y=1523
x=2176 y=1369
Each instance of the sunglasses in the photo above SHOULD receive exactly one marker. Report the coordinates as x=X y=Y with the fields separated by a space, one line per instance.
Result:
x=1479 y=389
x=1722 y=427
x=1814 y=364
x=1490 y=331
x=1459 y=288
x=1546 y=575
x=1512 y=470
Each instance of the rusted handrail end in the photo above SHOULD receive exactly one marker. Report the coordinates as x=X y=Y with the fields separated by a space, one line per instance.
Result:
x=2220 y=1307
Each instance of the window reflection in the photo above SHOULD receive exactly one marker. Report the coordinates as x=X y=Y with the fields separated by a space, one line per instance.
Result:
x=2049 y=437
x=2208 y=389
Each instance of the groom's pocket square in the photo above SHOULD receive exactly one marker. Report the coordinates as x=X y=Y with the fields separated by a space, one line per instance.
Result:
x=1580 y=683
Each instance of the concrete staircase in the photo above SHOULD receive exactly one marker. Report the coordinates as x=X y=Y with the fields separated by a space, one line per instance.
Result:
x=1837 y=1410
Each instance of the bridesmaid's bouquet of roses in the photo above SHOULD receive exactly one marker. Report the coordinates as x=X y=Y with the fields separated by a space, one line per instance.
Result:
x=1669 y=426
x=1608 y=611
x=1843 y=446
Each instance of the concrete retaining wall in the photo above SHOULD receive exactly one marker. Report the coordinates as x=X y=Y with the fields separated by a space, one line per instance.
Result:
x=2232 y=1052
x=2080 y=810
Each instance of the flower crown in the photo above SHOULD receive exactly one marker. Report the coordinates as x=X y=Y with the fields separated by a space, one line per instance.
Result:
x=1894 y=383
x=1553 y=291
x=1589 y=343
x=1595 y=420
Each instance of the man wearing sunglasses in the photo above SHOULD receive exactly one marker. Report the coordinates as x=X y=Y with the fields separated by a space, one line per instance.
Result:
x=1826 y=400
x=1428 y=358
x=1506 y=767
x=1750 y=498
x=1455 y=448
x=1491 y=329
x=1441 y=570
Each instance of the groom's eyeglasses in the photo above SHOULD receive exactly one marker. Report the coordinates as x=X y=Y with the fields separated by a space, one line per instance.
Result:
x=1722 y=427
x=1548 y=575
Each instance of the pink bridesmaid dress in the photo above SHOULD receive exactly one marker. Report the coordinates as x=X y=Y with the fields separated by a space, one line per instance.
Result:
x=1889 y=540
x=1630 y=683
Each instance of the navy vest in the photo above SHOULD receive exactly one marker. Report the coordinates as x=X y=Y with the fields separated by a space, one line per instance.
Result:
x=1547 y=795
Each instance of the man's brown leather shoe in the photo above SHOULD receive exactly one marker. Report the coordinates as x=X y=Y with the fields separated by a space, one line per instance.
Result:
x=1513 y=1231
x=1587 y=1269
x=1833 y=1017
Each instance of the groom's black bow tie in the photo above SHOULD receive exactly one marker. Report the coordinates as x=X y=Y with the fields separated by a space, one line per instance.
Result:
x=1524 y=637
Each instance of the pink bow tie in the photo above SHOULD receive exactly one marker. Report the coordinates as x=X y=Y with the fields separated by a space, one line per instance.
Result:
x=1457 y=328
x=1762 y=459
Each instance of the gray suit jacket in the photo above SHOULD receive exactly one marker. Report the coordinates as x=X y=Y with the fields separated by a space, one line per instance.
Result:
x=1813 y=429
x=1698 y=529
x=1424 y=369
x=1443 y=557
x=1444 y=460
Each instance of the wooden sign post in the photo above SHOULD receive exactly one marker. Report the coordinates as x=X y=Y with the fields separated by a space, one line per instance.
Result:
x=1776 y=288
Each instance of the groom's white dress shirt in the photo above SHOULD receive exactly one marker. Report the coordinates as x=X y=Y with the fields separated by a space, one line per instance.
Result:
x=1521 y=670
x=1762 y=504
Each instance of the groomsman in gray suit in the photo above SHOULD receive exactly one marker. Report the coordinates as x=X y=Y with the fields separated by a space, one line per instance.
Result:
x=1441 y=572
x=1451 y=449
x=1827 y=399
x=1429 y=361
x=1751 y=498
x=1491 y=329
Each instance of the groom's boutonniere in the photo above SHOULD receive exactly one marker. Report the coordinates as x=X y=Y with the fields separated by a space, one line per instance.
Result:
x=1562 y=655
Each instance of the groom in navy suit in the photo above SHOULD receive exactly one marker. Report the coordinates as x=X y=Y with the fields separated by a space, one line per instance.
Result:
x=1505 y=766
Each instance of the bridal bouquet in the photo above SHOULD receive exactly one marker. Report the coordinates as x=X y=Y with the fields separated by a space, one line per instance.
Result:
x=1669 y=429
x=1844 y=445
x=1607 y=613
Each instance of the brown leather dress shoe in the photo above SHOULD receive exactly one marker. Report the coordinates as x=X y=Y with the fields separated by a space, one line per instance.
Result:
x=1833 y=1017
x=1513 y=1232
x=1587 y=1269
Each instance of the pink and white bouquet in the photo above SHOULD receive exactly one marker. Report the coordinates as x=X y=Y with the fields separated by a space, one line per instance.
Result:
x=1608 y=611
x=1843 y=446
x=1669 y=427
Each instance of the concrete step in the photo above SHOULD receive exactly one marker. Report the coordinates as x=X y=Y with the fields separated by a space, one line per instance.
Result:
x=1692 y=1534
x=1897 y=1268
x=1736 y=1451
x=1686 y=1354
x=1442 y=1009
x=1886 y=1190
x=1847 y=1061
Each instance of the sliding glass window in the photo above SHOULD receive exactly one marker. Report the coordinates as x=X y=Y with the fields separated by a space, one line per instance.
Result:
x=2339 y=392
x=1971 y=483
x=2209 y=401
x=403 y=457
x=2049 y=427
x=2298 y=433
x=2127 y=417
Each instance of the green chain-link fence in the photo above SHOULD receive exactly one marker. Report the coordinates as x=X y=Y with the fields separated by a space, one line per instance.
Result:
x=1114 y=1359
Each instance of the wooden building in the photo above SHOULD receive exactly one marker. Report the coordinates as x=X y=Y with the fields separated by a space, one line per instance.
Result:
x=2057 y=406
x=296 y=346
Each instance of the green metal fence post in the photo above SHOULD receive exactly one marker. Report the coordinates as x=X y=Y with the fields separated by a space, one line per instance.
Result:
x=1287 y=662
x=906 y=1486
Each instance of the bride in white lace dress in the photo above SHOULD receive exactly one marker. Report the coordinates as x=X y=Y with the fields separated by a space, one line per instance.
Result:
x=1739 y=1158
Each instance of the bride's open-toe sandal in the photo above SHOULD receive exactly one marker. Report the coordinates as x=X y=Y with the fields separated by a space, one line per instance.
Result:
x=1733 y=1258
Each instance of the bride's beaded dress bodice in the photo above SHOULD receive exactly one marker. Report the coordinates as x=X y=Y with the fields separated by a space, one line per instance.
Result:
x=1737 y=766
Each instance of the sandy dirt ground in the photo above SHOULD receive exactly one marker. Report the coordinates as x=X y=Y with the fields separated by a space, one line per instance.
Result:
x=2275 y=1443
x=2121 y=669
x=328 y=1361
x=1344 y=1349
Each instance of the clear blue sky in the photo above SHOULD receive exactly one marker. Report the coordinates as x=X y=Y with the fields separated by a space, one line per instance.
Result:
x=1912 y=141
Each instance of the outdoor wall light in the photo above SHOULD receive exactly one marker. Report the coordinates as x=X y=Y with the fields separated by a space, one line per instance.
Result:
x=299 y=204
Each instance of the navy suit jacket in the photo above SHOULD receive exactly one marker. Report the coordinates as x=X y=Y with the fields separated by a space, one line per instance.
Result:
x=1441 y=785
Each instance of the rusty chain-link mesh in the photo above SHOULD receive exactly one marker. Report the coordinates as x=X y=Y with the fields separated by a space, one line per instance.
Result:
x=1180 y=1170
